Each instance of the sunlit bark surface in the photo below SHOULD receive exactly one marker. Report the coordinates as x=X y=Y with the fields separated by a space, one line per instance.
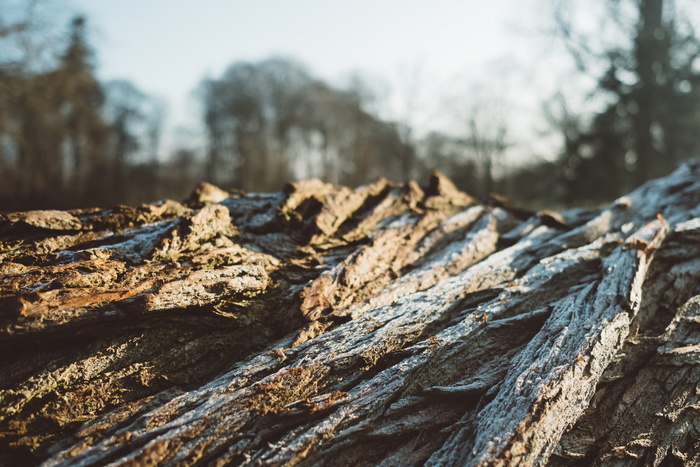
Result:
x=391 y=324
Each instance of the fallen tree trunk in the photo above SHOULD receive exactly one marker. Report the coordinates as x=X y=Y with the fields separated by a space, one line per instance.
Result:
x=391 y=324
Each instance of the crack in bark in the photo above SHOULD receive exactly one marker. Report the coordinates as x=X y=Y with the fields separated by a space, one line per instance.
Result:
x=392 y=324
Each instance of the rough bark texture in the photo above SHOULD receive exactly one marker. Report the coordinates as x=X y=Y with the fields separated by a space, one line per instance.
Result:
x=387 y=325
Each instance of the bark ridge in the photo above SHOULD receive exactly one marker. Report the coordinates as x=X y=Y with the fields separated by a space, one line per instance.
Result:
x=386 y=325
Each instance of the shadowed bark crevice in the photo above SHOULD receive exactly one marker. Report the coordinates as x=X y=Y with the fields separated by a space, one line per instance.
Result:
x=392 y=324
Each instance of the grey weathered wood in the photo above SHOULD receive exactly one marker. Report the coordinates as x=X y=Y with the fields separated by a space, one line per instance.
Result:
x=387 y=325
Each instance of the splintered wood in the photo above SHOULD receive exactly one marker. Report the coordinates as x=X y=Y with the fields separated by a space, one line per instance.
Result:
x=390 y=324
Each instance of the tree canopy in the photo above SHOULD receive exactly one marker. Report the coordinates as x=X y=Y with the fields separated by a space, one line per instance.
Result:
x=650 y=81
x=69 y=139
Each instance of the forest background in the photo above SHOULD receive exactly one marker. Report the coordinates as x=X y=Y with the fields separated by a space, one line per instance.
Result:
x=68 y=139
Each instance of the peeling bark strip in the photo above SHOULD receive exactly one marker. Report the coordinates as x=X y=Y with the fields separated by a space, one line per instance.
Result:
x=391 y=324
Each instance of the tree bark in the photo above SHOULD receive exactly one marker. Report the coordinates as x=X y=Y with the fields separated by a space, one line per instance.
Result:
x=387 y=325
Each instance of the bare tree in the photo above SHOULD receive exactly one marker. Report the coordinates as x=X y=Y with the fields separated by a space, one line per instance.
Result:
x=265 y=121
x=482 y=126
x=135 y=121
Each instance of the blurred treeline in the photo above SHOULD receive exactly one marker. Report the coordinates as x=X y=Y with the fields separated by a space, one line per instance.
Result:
x=69 y=140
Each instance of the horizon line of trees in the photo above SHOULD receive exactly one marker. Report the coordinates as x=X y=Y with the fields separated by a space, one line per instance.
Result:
x=69 y=140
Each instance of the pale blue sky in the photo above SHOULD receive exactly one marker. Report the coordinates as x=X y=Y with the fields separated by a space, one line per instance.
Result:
x=433 y=60
x=424 y=50
x=154 y=37
x=167 y=46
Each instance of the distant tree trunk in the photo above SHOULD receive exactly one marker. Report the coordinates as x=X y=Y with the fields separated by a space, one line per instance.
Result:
x=392 y=325
x=651 y=58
